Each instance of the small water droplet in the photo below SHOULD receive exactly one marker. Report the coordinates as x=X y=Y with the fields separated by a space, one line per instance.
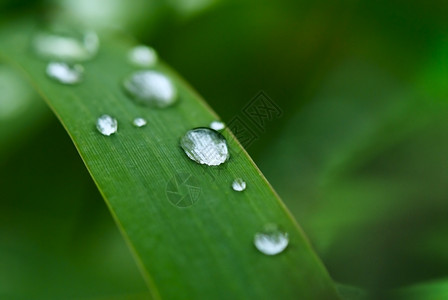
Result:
x=66 y=45
x=151 y=88
x=205 y=146
x=143 y=56
x=239 y=185
x=107 y=125
x=139 y=122
x=217 y=125
x=271 y=240
x=65 y=73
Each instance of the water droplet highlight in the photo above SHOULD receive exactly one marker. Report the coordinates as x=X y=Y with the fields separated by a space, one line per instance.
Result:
x=65 y=73
x=205 y=146
x=151 y=88
x=66 y=46
x=217 y=125
x=107 y=125
x=139 y=122
x=271 y=240
x=239 y=185
x=143 y=56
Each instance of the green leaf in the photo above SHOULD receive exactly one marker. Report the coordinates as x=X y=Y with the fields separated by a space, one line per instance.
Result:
x=49 y=227
x=363 y=157
x=435 y=289
x=204 y=251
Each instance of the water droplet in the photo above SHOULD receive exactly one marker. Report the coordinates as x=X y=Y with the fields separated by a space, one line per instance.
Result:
x=271 y=240
x=205 y=146
x=143 y=56
x=239 y=185
x=217 y=125
x=65 y=73
x=151 y=88
x=139 y=122
x=107 y=125
x=66 y=45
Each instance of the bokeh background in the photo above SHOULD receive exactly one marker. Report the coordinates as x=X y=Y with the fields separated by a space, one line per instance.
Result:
x=359 y=155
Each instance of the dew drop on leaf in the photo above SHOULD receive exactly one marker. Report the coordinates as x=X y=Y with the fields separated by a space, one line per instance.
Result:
x=139 y=122
x=63 y=45
x=143 y=56
x=271 y=240
x=238 y=185
x=151 y=88
x=217 y=125
x=205 y=146
x=107 y=125
x=65 y=73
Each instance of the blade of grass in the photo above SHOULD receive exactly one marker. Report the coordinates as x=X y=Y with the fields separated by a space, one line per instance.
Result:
x=49 y=246
x=201 y=252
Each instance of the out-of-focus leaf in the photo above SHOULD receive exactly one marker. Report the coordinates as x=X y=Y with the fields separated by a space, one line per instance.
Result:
x=22 y=113
x=434 y=290
x=358 y=165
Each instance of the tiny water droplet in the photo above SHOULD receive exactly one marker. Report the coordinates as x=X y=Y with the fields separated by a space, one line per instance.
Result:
x=143 y=56
x=239 y=185
x=107 y=125
x=205 y=146
x=271 y=240
x=66 y=45
x=139 y=122
x=65 y=73
x=151 y=88
x=217 y=125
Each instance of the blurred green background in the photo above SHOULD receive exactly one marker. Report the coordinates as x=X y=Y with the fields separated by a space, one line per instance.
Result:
x=359 y=155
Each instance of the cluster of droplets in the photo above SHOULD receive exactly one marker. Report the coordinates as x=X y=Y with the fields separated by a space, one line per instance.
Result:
x=65 y=50
x=108 y=125
x=151 y=88
x=206 y=146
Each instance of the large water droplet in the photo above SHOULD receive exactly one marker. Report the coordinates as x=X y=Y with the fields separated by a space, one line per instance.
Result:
x=107 y=125
x=239 y=185
x=143 y=56
x=205 y=146
x=151 y=88
x=217 y=125
x=139 y=122
x=271 y=240
x=65 y=73
x=66 y=45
